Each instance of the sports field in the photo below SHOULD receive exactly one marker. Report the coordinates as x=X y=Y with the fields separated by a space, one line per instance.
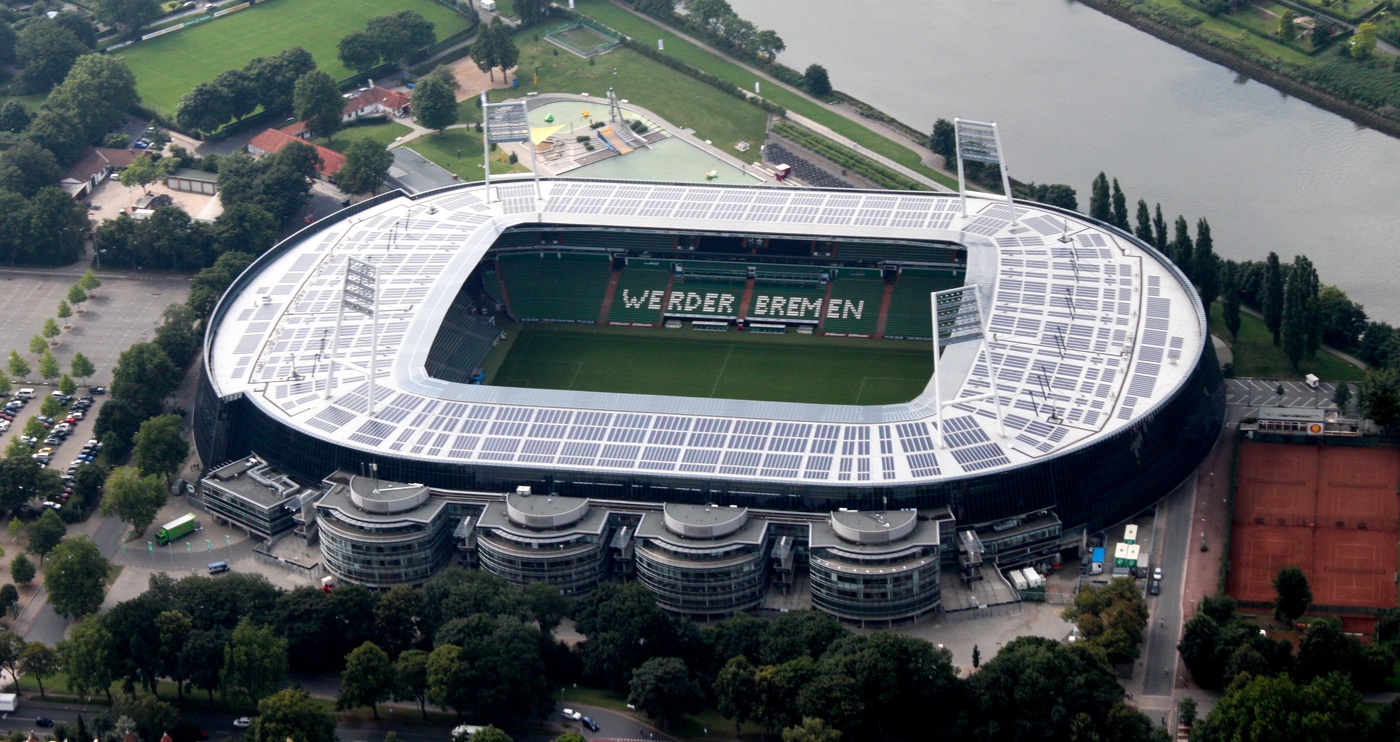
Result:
x=169 y=66
x=730 y=365
x=1331 y=510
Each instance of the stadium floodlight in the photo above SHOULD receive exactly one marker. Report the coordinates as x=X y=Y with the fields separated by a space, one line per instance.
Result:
x=360 y=294
x=978 y=141
x=957 y=318
x=507 y=123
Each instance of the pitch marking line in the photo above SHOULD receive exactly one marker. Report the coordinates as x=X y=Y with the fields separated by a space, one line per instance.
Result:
x=722 y=367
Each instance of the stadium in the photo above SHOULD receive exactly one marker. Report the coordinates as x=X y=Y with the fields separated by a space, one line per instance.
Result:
x=696 y=382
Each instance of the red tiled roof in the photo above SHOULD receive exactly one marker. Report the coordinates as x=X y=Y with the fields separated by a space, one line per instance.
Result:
x=390 y=99
x=296 y=129
x=272 y=141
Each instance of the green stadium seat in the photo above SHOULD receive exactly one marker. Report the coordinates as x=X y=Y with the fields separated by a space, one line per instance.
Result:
x=559 y=286
x=641 y=286
x=854 y=307
x=910 y=311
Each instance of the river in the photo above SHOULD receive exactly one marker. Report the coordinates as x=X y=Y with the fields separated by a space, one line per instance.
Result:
x=1075 y=92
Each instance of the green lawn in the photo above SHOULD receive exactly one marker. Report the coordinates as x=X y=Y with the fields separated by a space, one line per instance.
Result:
x=443 y=149
x=382 y=131
x=680 y=99
x=169 y=66
x=647 y=32
x=1257 y=356
x=730 y=365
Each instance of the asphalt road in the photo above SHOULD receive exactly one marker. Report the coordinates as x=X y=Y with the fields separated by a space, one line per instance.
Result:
x=1164 y=624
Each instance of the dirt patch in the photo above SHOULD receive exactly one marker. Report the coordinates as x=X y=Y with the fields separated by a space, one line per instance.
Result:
x=111 y=198
x=472 y=80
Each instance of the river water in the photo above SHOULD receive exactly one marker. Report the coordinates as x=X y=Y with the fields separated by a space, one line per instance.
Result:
x=1075 y=92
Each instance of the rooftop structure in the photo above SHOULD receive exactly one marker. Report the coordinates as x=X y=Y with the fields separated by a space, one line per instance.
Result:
x=1106 y=386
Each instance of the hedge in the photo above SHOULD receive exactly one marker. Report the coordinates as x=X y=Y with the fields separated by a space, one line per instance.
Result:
x=859 y=164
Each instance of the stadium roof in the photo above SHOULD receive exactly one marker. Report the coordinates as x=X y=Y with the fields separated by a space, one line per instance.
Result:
x=1090 y=330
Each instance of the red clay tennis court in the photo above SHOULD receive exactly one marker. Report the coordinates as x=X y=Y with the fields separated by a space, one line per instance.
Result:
x=1332 y=511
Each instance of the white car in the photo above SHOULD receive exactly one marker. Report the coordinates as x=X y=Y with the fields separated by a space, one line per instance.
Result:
x=243 y=722
x=4 y=425
x=1157 y=574
x=572 y=715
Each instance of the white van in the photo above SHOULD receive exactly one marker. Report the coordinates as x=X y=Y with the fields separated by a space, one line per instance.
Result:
x=25 y=393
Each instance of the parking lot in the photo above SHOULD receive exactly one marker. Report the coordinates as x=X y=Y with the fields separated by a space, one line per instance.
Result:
x=63 y=452
x=123 y=311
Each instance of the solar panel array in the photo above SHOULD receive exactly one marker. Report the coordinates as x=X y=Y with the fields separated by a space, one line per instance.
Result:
x=1069 y=352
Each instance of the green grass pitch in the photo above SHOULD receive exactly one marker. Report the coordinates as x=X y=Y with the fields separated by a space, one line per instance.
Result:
x=169 y=66
x=731 y=365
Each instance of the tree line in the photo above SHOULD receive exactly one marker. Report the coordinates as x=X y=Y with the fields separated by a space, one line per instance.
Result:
x=470 y=642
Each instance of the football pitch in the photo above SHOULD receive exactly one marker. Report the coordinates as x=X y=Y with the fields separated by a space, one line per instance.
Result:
x=730 y=365
x=169 y=66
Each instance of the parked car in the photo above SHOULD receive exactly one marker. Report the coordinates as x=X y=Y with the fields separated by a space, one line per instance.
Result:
x=1155 y=588
x=1157 y=574
x=243 y=722
x=4 y=425
x=97 y=390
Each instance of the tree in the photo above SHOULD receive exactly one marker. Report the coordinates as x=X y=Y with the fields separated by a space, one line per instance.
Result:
x=51 y=330
x=26 y=167
x=76 y=294
x=811 y=730
x=367 y=680
x=1159 y=230
x=1272 y=302
x=531 y=12
x=1205 y=264
x=1292 y=594
x=202 y=659
x=316 y=100
x=1363 y=42
x=1186 y=711
x=943 y=142
x=22 y=570
x=64 y=311
x=95 y=94
x=1274 y=708
x=366 y=167
x=434 y=104
x=358 y=51
x=14 y=117
x=291 y=714
x=411 y=679
x=37 y=345
x=663 y=689
x=976 y=657
x=1231 y=307
x=67 y=385
x=1182 y=250
x=18 y=368
x=1143 y=231
x=4 y=385
x=173 y=631
x=399 y=35
x=255 y=666
x=505 y=51
x=1342 y=398
x=160 y=450
x=1035 y=688
x=490 y=734
x=1293 y=325
x=1100 y=206
x=1112 y=617
x=39 y=660
x=817 y=82
x=46 y=52
x=143 y=171
x=48 y=365
x=45 y=533
x=734 y=691
x=768 y=44
x=86 y=657
x=143 y=376
x=77 y=577
x=129 y=14
x=89 y=280
x=1120 y=207
x=133 y=498
x=82 y=367
x=50 y=407
x=1287 y=30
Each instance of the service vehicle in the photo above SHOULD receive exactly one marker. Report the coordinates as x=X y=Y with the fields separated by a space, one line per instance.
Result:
x=175 y=529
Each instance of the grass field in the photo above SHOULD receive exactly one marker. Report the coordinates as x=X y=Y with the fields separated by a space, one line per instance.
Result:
x=442 y=149
x=1257 y=356
x=169 y=66
x=680 y=99
x=381 y=131
x=647 y=31
x=731 y=365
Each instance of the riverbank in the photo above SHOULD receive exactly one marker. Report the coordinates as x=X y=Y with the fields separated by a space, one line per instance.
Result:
x=1218 y=49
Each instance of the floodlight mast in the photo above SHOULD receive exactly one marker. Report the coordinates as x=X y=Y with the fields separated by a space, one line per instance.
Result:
x=486 y=145
x=980 y=141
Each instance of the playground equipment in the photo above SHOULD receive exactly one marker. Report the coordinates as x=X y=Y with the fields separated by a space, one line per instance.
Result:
x=613 y=141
